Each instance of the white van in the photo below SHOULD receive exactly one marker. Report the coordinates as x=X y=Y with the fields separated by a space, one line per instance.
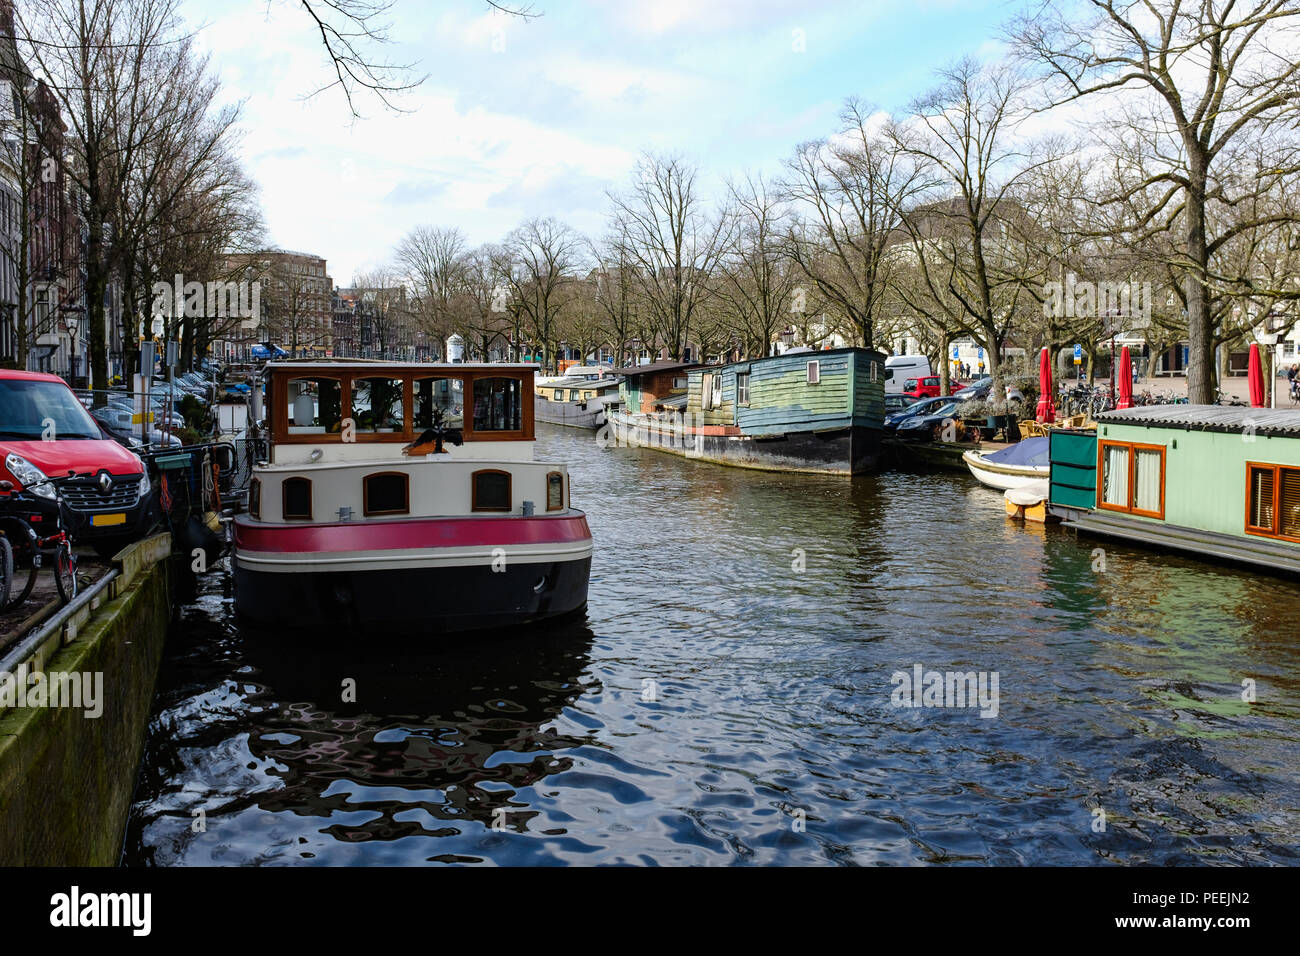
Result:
x=900 y=368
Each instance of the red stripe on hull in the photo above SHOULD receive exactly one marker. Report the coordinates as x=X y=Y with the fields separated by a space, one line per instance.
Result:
x=418 y=533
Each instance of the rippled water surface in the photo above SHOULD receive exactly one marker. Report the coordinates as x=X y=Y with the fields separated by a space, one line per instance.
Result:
x=728 y=699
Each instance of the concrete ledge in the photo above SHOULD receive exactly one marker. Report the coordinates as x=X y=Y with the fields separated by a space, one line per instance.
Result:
x=66 y=779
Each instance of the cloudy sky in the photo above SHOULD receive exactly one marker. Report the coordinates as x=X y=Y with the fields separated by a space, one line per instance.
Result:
x=518 y=119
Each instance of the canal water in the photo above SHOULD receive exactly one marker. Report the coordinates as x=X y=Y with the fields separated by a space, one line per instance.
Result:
x=736 y=696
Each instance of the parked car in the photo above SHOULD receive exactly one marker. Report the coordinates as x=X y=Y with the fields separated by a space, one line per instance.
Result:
x=44 y=432
x=896 y=403
x=919 y=388
x=924 y=427
x=892 y=421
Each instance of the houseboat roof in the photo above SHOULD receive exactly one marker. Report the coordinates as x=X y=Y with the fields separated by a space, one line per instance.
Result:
x=1209 y=418
x=386 y=363
x=655 y=367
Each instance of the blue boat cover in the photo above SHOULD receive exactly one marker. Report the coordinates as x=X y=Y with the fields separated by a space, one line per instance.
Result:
x=1030 y=453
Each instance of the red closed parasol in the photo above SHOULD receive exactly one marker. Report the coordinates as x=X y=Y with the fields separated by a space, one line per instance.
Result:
x=1255 y=375
x=1046 y=406
x=1125 y=383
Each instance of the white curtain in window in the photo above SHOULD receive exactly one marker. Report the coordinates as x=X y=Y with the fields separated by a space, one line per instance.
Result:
x=1115 y=477
x=1147 y=497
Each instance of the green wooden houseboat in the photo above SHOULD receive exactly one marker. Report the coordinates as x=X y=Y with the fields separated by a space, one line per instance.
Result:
x=807 y=411
x=1219 y=482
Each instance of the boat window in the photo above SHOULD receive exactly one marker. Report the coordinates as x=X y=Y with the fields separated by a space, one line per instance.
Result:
x=315 y=405
x=377 y=404
x=297 y=499
x=717 y=391
x=1273 y=501
x=445 y=394
x=742 y=388
x=491 y=490
x=498 y=405
x=386 y=493
x=814 y=372
x=1260 y=489
x=573 y=394
x=555 y=491
x=255 y=498
x=1132 y=478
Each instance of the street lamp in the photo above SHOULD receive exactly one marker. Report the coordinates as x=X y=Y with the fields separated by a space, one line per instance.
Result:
x=787 y=337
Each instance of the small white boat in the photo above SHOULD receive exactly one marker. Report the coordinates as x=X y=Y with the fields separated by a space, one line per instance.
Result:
x=1012 y=467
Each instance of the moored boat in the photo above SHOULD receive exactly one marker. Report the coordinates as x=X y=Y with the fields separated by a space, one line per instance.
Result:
x=406 y=497
x=1011 y=467
x=578 y=401
x=818 y=412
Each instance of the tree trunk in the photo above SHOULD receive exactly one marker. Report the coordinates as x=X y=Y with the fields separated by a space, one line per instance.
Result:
x=1200 y=326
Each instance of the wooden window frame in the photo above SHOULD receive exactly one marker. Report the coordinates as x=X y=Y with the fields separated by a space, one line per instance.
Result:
x=279 y=416
x=525 y=430
x=365 y=494
x=284 y=499
x=745 y=403
x=549 y=476
x=416 y=379
x=1133 y=449
x=510 y=490
x=1275 y=533
x=815 y=372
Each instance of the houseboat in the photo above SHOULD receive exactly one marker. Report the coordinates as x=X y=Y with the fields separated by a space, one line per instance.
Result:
x=819 y=412
x=1221 y=483
x=578 y=401
x=406 y=497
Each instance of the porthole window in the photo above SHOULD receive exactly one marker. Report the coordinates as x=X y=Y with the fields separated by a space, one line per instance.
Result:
x=555 y=491
x=297 y=499
x=491 y=490
x=387 y=493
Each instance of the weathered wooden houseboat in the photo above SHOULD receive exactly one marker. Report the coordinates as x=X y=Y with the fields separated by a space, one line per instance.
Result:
x=820 y=412
x=579 y=401
x=406 y=497
x=1222 y=483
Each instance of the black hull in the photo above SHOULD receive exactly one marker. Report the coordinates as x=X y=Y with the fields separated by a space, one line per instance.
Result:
x=429 y=602
x=843 y=451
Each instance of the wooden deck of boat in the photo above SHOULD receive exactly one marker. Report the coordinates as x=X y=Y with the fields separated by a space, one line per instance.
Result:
x=1258 y=552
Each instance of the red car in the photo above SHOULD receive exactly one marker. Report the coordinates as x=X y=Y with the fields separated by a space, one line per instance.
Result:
x=44 y=433
x=928 y=387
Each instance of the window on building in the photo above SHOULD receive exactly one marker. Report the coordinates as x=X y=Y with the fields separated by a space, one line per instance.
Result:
x=814 y=372
x=1132 y=478
x=297 y=499
x=1273 y=501
x=386 y=493
x=491 y=490
x=742 y=388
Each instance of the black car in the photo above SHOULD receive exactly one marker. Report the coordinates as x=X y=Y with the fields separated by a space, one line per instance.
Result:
x=894 y=419
x=922 y=427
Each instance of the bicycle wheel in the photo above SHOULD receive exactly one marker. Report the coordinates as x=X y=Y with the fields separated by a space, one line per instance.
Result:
x=18 y=598
x=6 y=570
x=65 y=572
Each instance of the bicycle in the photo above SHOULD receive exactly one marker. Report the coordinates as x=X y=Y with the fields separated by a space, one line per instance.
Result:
x=23 y=548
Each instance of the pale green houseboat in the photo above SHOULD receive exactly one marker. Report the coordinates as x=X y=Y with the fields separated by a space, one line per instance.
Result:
x=1219 y=482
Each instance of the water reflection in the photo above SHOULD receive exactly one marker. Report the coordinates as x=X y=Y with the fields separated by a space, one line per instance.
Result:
x=735 y=681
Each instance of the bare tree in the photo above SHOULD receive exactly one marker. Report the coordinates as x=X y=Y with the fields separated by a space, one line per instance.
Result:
x=851 y=191
x=672 y=244
x=538 y=260
x=756 y=282
x=1208 y=74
